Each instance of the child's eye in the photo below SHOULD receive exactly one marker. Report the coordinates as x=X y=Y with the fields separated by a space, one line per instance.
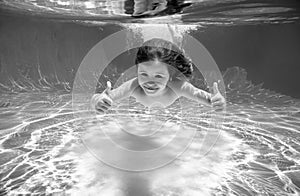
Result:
x=143 y=74
x=159 y=76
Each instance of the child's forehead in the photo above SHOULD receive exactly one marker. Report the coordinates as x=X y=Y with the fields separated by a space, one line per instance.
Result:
x=156 y=64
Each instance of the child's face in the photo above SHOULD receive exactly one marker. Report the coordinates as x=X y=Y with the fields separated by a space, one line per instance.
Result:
x=153 y=77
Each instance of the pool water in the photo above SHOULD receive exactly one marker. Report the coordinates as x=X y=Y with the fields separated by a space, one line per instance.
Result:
x=49 y=148
x=257 y=153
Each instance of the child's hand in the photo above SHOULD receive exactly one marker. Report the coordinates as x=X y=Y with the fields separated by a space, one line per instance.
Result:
x=102 y=102
x=217 y=99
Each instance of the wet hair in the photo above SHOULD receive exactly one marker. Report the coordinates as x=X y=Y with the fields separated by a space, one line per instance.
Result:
x=168 y=53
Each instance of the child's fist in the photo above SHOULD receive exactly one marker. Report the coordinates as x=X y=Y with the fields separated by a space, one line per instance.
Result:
x=102 y=102
x=217 y=99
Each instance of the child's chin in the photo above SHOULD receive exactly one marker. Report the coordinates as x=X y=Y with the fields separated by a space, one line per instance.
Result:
x=151 y=93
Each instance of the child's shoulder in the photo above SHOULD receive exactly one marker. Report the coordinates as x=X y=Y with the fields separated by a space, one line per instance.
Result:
x=182 y=87
x=132 y=84
x=177 y=84
x=129 y=85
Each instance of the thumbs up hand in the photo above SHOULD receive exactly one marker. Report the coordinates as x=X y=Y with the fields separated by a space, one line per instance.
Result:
x=217 y=99
x=102 y=102
x=108 y=88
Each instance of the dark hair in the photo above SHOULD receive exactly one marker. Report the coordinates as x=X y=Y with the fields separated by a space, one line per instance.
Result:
x=165 y=52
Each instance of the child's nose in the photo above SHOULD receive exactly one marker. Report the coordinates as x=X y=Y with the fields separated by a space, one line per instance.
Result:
x=151 y=83
x=151 y=79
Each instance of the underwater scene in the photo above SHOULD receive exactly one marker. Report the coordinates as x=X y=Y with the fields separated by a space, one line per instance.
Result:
x=56 y=54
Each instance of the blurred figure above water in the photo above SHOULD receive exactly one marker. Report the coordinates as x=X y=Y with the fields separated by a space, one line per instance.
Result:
x=144 y=8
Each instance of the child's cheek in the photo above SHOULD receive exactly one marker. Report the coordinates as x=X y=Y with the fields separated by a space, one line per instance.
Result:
x=141 y=80
x=164 y=81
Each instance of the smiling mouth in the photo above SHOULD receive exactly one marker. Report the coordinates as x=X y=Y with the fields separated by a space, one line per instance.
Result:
x=150 y=89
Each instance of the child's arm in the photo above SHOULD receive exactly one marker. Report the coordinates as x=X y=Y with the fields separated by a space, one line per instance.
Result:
x=214 y=99
x=103 y=101
x=189 y=91
x=125 y=90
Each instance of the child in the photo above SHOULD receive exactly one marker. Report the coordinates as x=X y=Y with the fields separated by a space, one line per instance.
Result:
x=160 y=67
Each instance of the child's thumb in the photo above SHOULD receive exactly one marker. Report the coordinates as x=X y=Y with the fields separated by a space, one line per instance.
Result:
x=215 y=89
x=108 y=88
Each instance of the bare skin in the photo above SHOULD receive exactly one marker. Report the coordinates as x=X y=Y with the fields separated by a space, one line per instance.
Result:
x=153 y=86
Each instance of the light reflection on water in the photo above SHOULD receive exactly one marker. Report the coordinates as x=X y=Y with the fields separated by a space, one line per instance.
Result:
x=257 y=152
x=205 y=12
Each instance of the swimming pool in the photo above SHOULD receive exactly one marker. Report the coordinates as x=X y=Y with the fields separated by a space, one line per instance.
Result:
x=44 y=144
